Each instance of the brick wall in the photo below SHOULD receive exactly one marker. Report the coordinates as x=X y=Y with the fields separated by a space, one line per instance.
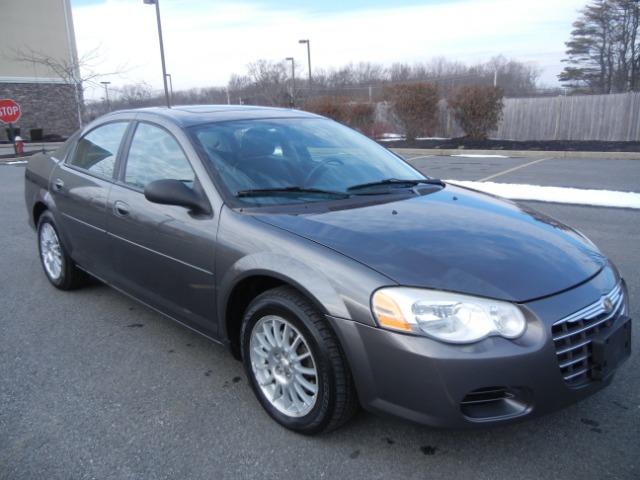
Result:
x=52 y=107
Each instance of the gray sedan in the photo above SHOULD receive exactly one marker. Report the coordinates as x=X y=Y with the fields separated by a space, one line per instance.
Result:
x=338 y=274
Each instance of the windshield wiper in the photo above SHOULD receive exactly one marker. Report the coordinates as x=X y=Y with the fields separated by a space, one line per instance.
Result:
x=396 y=182
x=265 y=192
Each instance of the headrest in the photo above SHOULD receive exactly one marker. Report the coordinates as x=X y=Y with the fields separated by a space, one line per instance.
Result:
x=213 y=139
x=257 y=143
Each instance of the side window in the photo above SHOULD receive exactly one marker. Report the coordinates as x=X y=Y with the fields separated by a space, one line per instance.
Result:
x=96 y=151
x=156 y=155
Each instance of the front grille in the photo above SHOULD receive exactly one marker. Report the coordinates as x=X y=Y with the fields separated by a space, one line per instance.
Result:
x=573 y=335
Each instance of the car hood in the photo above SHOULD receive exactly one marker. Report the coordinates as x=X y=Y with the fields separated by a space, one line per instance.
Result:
x=456 y=239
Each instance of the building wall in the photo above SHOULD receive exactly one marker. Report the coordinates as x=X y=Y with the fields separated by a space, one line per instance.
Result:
x=47 y=106
x=41 y=28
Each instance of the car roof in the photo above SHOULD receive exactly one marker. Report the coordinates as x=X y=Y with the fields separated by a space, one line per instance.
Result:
x=189 y=115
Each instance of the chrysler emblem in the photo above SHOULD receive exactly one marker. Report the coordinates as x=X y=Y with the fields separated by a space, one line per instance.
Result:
x=607 y=305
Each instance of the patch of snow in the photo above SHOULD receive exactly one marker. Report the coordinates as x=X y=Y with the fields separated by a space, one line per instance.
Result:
x=386 y=137
x=575 y=196
x=481 y=156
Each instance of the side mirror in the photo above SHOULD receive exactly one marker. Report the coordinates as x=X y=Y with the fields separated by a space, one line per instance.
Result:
x=175 y=192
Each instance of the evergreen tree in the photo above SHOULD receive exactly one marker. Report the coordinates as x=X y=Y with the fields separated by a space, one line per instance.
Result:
x=603 y=52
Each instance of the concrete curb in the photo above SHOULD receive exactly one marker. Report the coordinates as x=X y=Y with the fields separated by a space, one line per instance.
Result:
x=21 y=158
x=7 y=153
x=522 y=153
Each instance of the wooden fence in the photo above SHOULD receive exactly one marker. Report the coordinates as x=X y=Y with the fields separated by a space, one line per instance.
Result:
x=613 y=117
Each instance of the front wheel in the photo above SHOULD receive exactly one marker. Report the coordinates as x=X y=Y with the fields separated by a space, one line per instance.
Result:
x=61 y=271
x=295 y=364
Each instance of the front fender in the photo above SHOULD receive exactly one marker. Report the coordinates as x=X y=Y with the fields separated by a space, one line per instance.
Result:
x=313 y=283
x=249 y=249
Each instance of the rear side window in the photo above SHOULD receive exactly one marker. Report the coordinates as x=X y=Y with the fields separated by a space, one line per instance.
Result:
x=156 y=155
x=63 y=150
x=96 y=151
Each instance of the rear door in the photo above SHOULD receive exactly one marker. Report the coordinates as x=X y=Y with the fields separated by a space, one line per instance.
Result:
x=80 y=187
x=163 y=255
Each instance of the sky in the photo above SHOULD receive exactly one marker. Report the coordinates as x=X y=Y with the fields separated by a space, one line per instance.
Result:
x=207 y=41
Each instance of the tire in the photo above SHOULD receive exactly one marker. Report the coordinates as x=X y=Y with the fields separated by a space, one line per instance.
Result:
x=60 y=270
x=295 y=364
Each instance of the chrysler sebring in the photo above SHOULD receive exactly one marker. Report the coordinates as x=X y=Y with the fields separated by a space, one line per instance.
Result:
x=338 y=274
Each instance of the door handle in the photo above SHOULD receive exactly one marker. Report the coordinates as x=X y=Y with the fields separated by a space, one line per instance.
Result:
x=121 y=209
x=58 y=185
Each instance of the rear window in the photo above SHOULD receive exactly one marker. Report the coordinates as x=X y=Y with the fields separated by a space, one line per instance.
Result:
x=96 y=151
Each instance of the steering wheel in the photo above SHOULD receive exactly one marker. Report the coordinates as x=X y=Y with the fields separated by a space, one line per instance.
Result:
x=317 y=171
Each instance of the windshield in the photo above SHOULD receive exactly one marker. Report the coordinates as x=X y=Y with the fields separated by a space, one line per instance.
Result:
x=298 y=160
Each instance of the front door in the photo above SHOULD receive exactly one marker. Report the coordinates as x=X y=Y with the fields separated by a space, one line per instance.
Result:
x=163 y=255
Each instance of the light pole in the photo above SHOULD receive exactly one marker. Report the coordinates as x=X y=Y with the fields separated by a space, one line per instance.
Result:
x=308 y=42
x=164 y=69
x=170 y=86
x=293 y=80
x=106 y=94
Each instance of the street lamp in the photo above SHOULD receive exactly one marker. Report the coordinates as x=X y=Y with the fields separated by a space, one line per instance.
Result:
x=164 y=69
x=308 y=42
x=106 y=94
x=170 y=86
x=293 y=80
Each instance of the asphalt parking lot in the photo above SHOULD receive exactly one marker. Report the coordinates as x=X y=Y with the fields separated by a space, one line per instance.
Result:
x=591 y=173
x=94 y=385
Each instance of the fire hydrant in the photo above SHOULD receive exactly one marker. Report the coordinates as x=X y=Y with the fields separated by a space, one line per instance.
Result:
x=19 y=145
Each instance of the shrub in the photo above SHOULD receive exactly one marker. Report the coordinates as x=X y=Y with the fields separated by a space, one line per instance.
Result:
x=477 y=109
x=378 y=129
x=335 y=108
x=415 y=105
x=359 y=116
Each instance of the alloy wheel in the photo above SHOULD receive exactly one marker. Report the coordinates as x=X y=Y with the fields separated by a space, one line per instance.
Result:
x=50 y=251
x=284 y=366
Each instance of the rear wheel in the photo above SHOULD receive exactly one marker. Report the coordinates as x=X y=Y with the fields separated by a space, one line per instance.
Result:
x=60 y=270
x=295 y=364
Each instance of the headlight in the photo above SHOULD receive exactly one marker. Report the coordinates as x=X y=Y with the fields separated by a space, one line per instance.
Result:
x=449 y=317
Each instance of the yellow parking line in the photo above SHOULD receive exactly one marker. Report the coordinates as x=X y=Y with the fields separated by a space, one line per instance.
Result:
x=490 y=177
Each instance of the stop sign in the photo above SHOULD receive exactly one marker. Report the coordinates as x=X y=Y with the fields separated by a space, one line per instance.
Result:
x=9 y=111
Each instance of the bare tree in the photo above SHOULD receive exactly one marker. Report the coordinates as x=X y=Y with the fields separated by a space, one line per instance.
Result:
x=75 y=72
x=515 y=78
x=367 y=73
x=271 y=82
x=400 y=73
x=140 y=94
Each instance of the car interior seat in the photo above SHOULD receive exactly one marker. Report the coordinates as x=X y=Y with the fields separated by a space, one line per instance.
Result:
x=254 y=157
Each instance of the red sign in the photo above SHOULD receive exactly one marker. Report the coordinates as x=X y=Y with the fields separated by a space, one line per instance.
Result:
x=9 y=111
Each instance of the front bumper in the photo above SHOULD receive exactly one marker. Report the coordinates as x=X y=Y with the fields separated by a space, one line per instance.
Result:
x=491 y=382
